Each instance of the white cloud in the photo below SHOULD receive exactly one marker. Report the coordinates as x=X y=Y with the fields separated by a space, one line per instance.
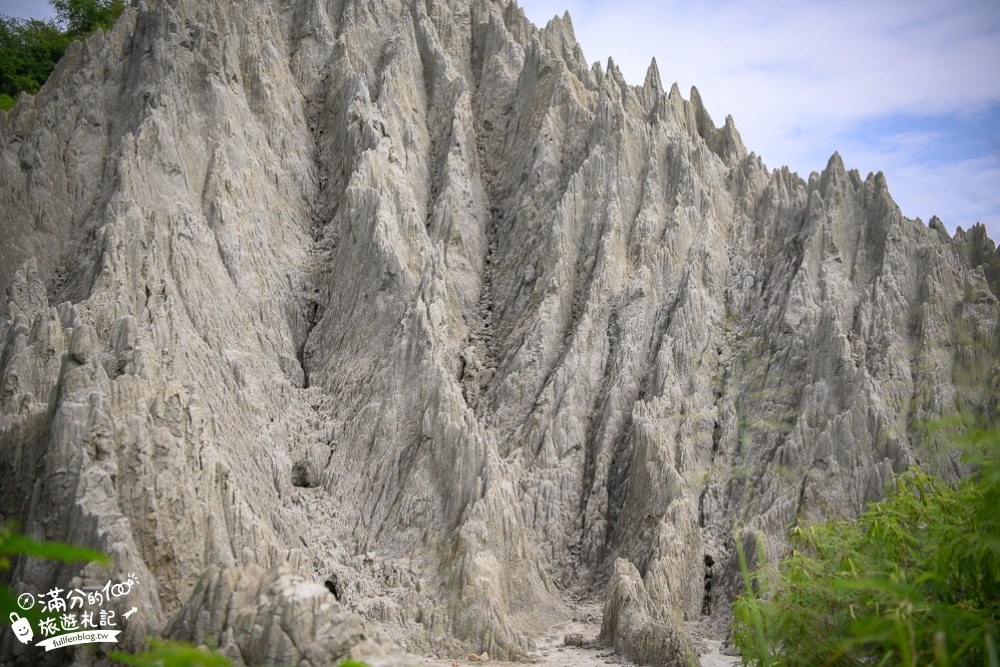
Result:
x=961 y=191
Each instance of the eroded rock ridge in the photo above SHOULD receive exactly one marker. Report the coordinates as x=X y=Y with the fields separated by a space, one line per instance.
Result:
x=406 y=297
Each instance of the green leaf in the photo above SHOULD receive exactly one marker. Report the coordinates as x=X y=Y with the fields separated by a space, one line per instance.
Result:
x=67 y=553
x=914 y=580
x=172 y=654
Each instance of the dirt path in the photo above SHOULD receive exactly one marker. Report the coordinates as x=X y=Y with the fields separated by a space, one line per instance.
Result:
x=553 y=650
x=714 y=656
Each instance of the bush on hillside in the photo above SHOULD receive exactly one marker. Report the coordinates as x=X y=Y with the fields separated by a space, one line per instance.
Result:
x=914 y=581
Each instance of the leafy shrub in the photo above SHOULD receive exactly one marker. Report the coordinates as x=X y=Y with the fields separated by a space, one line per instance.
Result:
x=914 y=581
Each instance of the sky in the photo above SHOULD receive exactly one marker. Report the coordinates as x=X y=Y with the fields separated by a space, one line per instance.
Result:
x=28 y=8
x=907 y=87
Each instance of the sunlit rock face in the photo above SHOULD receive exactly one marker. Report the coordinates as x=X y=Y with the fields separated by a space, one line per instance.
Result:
x=405 y=297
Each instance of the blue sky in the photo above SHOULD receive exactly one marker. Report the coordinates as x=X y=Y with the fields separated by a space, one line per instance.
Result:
x=910 y=88
x=26 y=8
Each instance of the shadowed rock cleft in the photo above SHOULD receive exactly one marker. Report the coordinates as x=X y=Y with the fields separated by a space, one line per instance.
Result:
x=411 y=292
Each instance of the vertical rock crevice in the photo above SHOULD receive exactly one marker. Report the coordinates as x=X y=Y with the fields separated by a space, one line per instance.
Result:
x=405 y=292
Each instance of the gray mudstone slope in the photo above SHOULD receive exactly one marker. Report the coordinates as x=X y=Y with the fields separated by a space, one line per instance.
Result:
x=404 y=296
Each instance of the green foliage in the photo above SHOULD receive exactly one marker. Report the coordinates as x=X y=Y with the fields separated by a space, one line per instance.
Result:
x=12 y=543
x=172 y=654
x=31 y=48
x=162 y=654
x=83 y=17
x=29 y=51
x=914 y=581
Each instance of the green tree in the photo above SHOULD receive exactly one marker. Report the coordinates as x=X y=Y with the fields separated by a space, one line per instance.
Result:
x=29 y=51
x=31 y=48
x=914 y=581
x=83 y=17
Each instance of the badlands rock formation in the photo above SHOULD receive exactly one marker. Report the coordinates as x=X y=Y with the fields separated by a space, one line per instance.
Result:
x=404 y=296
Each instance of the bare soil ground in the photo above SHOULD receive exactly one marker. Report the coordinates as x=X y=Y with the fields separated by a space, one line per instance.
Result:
x=553 y=650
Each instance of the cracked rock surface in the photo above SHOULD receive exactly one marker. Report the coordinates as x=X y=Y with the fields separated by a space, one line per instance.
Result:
x=404 y=296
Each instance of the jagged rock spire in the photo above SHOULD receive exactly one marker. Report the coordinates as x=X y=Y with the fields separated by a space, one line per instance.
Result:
x=403 y=292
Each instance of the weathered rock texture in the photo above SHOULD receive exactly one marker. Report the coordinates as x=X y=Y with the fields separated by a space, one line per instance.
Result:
x=276 y=617
x=646 y=632
x=406 y=293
